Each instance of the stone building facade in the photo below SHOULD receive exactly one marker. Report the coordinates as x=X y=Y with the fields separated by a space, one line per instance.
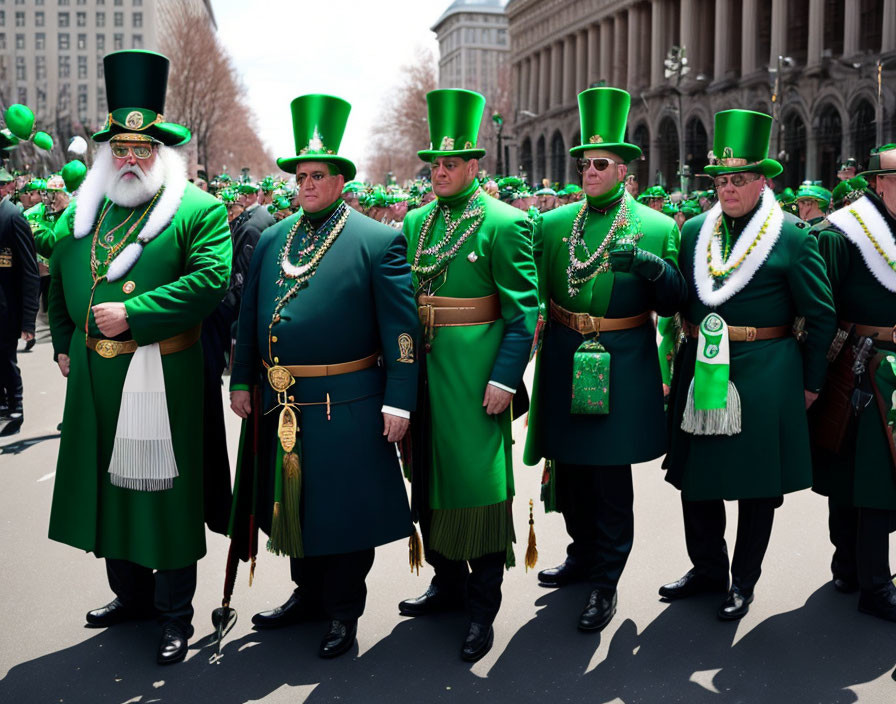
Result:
x=812 y=64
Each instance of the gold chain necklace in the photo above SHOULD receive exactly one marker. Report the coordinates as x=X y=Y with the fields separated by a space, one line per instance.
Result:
x=113 y=250
x=721 y=269
x=447 y=247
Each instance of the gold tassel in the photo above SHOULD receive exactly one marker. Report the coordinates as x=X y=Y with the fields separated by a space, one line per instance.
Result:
x=531 y=550
x=415 y=552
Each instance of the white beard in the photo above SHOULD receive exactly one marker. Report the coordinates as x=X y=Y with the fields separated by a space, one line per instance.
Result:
x=131 y=192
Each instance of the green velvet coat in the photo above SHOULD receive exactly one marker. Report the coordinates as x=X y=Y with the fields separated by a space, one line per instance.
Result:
x=770 y=456
x=863 y=474
x=472 y=451
x=635 y=428
x=179 y=279
x=357 y=303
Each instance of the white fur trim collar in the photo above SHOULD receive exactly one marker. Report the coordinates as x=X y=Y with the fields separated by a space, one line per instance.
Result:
x=845 y=219
x=704 y=281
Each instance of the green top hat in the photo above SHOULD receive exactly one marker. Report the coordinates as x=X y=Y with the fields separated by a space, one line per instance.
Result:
x=603 y=113
x=354 y=187
x=814 y=190
x=136 y=83
x=318 y=123
x=454 y=118
x=852 y=188
x=652 y=193
x=740 y=143
x=267 y=184
x=881 y=161
x=246 y=189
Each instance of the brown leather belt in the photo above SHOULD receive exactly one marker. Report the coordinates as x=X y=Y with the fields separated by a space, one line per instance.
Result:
x=311 y=370
x=585 y=323
x=445 y=312
x=740 y=333
x=113 y=348
x=881 y=334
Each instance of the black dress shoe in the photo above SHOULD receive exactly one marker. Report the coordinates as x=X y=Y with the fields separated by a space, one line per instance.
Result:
x=295 y=610
x=693 y=583
x=115 y=612
x=173 y=645
x=566 y=573
x=13 y=425
x=339 y=638
x=478 y=642
x=433 y=600
x=598 y=611
x=845 y=585
x=735 y=606
x=881 y=602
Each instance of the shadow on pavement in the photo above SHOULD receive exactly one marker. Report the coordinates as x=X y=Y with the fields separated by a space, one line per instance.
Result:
x=19 y=446
x=811 y=654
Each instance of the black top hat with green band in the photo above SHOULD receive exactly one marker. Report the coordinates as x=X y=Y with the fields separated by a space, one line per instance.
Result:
x=136 y=83
x=318 y=123
x=603 y=113
x=454 y=119
x=740 y=143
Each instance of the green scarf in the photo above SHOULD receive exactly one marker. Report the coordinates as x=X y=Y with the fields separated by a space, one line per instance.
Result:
x=713 y=406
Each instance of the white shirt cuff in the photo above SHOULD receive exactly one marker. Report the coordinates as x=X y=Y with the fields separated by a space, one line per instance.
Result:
x=397 y=412
x=501 y=386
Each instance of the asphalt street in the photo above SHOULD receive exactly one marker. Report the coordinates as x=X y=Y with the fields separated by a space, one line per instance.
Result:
x=802 y=642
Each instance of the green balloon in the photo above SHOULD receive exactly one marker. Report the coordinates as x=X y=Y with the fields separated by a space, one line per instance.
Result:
x=43 y=140
x=20 y=120
x=73 y=174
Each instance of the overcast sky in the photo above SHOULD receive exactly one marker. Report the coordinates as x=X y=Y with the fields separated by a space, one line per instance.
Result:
x=349 y=48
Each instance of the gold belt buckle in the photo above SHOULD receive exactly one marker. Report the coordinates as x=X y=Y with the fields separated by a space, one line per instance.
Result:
x=280 y=379
x=584 y=323
x=750 y=334
x=108 y=348
x=427 y=315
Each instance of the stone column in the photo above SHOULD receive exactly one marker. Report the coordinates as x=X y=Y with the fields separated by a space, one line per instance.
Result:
x=888 y=40
x=544 y=97
x=532 y=87
x=816 y=32
x=516 y=82
x=606 y=49
x=635 y=50
x=556 y=76
x=688 y=37
x=851 y=28
x=593 y=54
x=620 y=53
x=748 y=63
x=582 y=50
x=569 y=69
x=658 y=47
x=779 y=32
x=722 y=55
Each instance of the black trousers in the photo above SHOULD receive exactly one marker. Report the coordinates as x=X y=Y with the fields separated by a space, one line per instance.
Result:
x=597 y=506
x=169 y=591
x=861 y=539
x=334 y=583
x=477 y=581
x=11 y=389
x=704 y=532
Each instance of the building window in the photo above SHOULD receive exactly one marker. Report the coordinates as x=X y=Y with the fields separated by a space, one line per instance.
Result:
x=82 y=2
x=40 y=67
x=118 y=3
x=81 y=19
x=20 y=41
x=63 y=2
x=40 y=41
x=101 y=108
x=39 y=18
x=82 y=102
x=138 y=3
x=65 y=67
x=137 y=41
x=2 y=40
x=63 y=98
x=23 y=95
x=41 y=101
x=63 y=41
x=82 y=41
x=20 y=68
x=100 y=19
x=82 y=67
x=119 y=19
x=20 y=19
x=3 y=17
x=100 y=42
x=63 y=19
x=99 y=69
x=137 y=19
x=39 y=2
x=118 y=41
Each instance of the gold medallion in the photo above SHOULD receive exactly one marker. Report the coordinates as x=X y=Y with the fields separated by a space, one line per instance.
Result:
x=129 y=287
x=595 y=139
x=287 y=429
x=280 y=379
x=134 y=120
x=291 y=465
x=107 y=348
x=447 y=144
x=406 y=348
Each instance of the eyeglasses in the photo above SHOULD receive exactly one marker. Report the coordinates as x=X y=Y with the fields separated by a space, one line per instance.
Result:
x=317 y=177
x=121 y=151
x=599 y=164
x=736 y=180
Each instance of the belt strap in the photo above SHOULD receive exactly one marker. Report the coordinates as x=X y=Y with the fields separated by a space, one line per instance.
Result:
x=313 y=370
x=445 y=312
x=741 y=333
x=585 y=323
x=113 y=348
x=879 y=334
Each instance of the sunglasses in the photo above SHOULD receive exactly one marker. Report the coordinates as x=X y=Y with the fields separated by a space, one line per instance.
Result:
x=599 y=164
x=121 y=151
x=736 y=180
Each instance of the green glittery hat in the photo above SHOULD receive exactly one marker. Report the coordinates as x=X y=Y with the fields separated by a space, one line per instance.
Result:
x=851 y=189
x=318 y=124
x=815 y=191
x=740 y=143
x=136 y=83
x=454 y=119
x=603 y=113
x=652 y=193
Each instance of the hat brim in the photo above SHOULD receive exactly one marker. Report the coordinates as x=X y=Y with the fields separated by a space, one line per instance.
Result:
x=876 y=172
x=428 y=155
x=345 y=166
x=626 y=152
x=767 y=167
x=168 y=133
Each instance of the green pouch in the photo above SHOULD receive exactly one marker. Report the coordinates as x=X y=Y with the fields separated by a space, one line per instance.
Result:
x=591 y=379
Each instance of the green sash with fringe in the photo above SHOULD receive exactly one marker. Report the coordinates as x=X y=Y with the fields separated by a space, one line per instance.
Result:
x=713 y=406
